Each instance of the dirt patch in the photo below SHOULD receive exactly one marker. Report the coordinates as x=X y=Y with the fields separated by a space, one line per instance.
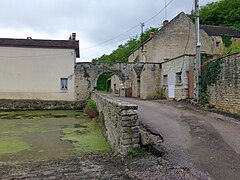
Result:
x=99 y=167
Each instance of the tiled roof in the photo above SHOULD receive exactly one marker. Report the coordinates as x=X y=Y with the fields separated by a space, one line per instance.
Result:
x=39 y=43
x=220 y=31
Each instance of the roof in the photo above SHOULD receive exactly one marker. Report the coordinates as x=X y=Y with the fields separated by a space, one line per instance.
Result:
x=161 y=29
x=40 y=43
x=220 y=31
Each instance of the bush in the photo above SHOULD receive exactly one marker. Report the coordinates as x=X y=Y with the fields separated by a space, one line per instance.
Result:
x=91 y=109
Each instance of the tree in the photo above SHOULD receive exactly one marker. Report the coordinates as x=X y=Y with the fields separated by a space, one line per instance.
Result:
x=220 y=13
x=124 y=50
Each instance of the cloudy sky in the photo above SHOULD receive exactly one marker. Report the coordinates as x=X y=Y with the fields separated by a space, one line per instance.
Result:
x=100 y=24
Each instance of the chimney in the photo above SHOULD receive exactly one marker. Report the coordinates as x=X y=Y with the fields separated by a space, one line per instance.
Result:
x=151 y=34
x=165 y=22
x=73 y=36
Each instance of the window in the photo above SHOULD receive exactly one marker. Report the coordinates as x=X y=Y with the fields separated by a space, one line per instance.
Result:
x=217 y=44
x=165 y=80
x=64 y=83
x=179 y=78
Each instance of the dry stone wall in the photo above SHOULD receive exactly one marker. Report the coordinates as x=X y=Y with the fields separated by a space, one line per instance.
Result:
x=225 y=93
x=9 y=104
x=120 y=121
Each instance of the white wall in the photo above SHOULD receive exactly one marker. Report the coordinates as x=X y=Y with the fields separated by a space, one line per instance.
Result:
x=34 y=73
x=173 y=66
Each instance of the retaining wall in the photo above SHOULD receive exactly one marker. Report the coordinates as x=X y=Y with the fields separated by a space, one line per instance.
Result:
x=225 y=93
x=119 y=121
x=8 y=104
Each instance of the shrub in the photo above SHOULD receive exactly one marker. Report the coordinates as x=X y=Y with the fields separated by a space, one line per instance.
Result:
x=91 y=109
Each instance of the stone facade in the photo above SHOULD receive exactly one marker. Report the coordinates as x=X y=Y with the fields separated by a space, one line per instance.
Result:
x=172 y=40
x=86 y=75
x=224 y=94
x=120 y=122
x=150 y=81
x=8 y=104
x=179 y=67
x=143 y=79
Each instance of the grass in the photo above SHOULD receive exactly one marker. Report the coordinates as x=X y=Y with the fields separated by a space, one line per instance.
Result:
x=12 y=145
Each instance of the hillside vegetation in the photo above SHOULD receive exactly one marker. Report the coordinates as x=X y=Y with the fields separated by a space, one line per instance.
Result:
x=220 y=13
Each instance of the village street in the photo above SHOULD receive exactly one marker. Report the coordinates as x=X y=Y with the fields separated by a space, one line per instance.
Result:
x=202 y=141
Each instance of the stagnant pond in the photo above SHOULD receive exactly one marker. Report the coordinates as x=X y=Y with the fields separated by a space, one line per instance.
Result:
x=46 y=135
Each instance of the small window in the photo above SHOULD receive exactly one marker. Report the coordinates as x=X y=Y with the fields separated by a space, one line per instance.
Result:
x=165 y=80
x=179 y=78
x=64 y=83
x=217 y=44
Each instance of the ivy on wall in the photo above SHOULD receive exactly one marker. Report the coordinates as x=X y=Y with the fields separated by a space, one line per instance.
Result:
x=209 y=77
x=227 y=41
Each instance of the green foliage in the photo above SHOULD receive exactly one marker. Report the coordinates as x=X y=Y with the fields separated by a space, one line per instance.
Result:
x=234 y=48
x=136 y=153
x=227 y=41
x=220 y=13
x=124 y=50
x=223 y=12
x=210 y=76
x=102 y=83
x=205 y=57
x=91 y=109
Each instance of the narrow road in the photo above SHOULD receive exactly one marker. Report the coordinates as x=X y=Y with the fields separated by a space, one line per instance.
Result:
x=205 y=142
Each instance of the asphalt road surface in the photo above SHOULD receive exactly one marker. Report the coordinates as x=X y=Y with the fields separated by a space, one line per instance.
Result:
x=205 y=142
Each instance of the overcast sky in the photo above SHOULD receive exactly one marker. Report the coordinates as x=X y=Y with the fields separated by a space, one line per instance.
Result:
x=94 y=21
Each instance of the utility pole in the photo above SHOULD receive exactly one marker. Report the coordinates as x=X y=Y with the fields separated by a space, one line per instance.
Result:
x=142 y=26
x=198 y=51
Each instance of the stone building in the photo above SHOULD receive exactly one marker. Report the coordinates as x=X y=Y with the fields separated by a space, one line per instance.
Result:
x=38 y=69
x=173 y=46
x=174 y=39
x=218 y=34
x=177 y=38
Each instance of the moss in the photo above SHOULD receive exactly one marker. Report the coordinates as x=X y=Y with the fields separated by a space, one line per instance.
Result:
x=20 y=130
x=12 y=145
x=136 y=153
x=87 y=140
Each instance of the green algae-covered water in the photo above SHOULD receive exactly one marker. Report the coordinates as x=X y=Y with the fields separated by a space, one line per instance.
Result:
x=45 y=135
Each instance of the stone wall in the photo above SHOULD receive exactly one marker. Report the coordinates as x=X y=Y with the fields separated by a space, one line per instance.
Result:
x=225 y=93
x=120 y=122
x=150 y=81
x=180 y=65
x=7 y=104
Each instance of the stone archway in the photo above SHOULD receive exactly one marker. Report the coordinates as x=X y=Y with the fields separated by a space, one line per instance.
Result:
x=86 y=75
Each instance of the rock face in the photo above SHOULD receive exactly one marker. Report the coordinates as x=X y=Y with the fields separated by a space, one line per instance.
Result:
x=119 y=121
x=148 y=138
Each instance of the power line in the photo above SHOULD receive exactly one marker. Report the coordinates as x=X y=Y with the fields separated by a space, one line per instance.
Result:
x=104 y=42
x=159 y=12
x=135 y=35
x=112 y=38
